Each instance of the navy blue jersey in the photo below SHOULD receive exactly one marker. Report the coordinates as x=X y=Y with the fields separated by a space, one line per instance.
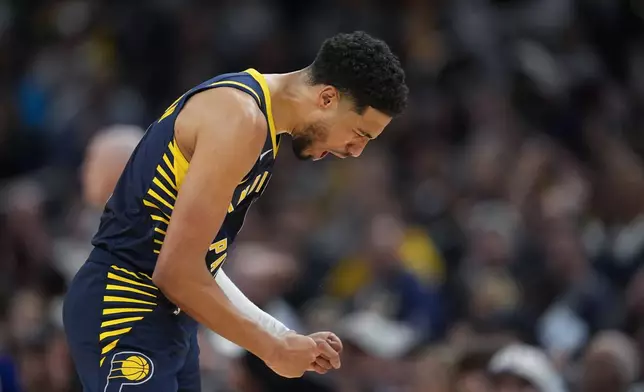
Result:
x=137 y=215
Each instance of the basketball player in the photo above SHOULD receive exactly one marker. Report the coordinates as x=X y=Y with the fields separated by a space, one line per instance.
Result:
x=132 y=311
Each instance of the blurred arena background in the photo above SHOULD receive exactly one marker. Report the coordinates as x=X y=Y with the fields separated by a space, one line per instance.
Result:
x=493 y=240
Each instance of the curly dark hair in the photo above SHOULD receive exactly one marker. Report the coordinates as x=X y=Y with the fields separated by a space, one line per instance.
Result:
x=363 y=68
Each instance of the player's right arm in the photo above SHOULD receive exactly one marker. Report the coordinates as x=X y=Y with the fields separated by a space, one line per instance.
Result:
x=227 y=131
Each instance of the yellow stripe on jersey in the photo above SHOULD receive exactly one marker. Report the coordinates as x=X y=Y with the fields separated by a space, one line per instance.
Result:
x=109 y=347
x=165 y=175
x=171 y=108
x=152 y=205
x=252 y=188
x=126 y=280
x=110 y=334
x=152 y=193
x=159 y=231
x=109 y=311
x=180 y=163
x=130 y=289
x=125 y=271
x=110 y=323
x=261 y=182
x=269 y=108
x=242 y=196
x=158 y=183
x=110 y=298
x=170 y=166
x=160 y=219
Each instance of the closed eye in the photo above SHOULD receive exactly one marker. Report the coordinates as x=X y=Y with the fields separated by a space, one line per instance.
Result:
x=362 y=133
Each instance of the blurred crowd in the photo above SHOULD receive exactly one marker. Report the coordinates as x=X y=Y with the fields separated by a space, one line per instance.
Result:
x=493 y=240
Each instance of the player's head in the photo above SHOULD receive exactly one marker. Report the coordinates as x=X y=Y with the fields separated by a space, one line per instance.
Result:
x=359 y=86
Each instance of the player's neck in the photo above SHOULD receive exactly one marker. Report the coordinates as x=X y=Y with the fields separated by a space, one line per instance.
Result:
x=287 y=93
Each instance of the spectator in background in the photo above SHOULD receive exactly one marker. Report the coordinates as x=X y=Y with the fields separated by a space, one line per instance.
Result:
x=586 y=302
x=522 y=368
x=390 y=288
x=611 y=364
x=375 y=353
x=106 y=156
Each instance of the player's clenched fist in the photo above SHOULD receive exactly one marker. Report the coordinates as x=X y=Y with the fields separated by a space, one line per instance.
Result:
x=330 y=348
x=293 y=355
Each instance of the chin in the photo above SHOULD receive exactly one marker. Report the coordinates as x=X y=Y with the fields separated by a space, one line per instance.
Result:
x=303 y=155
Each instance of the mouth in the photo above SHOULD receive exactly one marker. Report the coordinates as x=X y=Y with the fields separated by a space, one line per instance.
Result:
x=341 y=156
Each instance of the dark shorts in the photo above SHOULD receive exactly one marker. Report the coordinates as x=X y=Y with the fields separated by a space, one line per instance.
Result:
x=123 y=333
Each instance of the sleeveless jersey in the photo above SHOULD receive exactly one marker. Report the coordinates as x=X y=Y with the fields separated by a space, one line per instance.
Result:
x=137 y=215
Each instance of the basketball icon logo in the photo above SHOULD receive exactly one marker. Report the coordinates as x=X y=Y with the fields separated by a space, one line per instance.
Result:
x=128 y=368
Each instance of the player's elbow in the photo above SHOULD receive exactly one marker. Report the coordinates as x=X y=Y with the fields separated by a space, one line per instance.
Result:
x=161 y=279
x=166 y=279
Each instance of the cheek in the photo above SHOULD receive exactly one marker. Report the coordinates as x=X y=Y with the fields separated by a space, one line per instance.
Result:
x=339 y=137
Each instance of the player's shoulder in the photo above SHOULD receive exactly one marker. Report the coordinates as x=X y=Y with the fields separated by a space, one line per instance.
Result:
x=222 y=113
x=226 y=105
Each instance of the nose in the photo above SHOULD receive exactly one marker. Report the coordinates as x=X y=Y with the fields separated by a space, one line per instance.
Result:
x=355 y=149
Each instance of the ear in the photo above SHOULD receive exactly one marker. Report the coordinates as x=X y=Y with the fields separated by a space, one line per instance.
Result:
x=328 y=97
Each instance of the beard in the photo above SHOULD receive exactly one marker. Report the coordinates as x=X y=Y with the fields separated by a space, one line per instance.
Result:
x=304 y=140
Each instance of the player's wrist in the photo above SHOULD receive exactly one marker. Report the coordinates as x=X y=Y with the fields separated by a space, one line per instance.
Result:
x=263 y=343
x=272 y=347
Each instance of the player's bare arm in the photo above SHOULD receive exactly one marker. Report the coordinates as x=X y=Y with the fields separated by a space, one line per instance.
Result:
x=227 y=131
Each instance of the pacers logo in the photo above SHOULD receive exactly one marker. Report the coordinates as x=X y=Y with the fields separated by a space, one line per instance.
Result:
x=128 y=368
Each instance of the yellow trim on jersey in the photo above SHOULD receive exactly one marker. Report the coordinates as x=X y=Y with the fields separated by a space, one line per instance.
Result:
x=110 y=334
x=130 y=289
x=166 y=190
x=109 y=347
x=234 y=83
x=152 y=205
x=180 y=163
x=159 y=231
x=166 y=177
x=242 y=196
x=126 y=280
x=124 y=310
x=269 y=108
x=252 y=188
x=261 y=182
x=110 y=298
x=160 y=219
x=125 y=271
x=170 y=165
x=152 y=193
x=110 y=323
x=101 y=363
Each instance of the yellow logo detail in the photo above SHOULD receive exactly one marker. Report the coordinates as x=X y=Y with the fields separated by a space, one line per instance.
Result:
x=128 y=368
x=134 y=368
